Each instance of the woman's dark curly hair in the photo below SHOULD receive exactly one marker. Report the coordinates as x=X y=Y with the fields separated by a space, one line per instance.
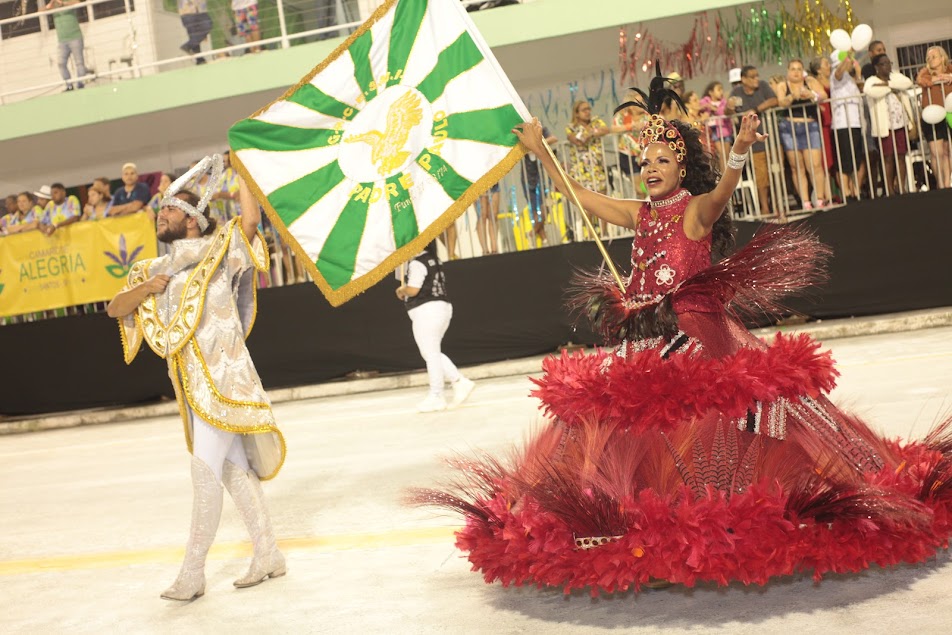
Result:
x=702 y=177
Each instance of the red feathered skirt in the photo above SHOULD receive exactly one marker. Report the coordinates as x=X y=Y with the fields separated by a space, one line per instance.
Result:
x=709 y=455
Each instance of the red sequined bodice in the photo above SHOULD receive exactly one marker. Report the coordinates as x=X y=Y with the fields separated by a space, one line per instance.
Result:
x=662 y=256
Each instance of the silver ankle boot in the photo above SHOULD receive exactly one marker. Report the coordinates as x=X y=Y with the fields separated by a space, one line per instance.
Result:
x=245 y=489
x=206 y=514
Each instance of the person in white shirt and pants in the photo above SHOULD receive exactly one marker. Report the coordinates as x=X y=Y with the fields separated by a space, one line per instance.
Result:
x=424 y=293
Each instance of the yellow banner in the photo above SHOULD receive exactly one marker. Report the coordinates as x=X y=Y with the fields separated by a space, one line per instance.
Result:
x=84 y=262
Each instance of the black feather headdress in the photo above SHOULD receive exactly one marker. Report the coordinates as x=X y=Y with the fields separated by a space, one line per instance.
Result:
x=658 y=130
x=658 y=95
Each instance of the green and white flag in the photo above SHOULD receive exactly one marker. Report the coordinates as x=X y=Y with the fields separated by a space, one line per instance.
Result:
x=383 y=145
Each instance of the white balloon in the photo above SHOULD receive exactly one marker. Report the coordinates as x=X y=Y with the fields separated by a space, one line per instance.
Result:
x=948 y=102
x=862 y=36
x=840 y=40
x=933 y=114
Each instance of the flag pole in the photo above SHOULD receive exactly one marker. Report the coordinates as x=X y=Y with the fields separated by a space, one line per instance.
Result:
x=588 y=222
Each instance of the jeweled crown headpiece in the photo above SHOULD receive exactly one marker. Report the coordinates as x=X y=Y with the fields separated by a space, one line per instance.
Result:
x=193 y=176
x=659 y=130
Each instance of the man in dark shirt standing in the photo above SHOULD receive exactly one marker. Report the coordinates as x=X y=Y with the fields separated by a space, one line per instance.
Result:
x=754 y=94
x=133 y=196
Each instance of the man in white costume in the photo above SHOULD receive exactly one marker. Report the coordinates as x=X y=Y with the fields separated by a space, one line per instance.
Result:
x=194 y=307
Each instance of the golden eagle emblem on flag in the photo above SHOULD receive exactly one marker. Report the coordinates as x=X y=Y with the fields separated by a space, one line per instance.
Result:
x=383 y=145
x=386 y=146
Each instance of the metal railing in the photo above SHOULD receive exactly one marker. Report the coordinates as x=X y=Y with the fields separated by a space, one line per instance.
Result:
x=526 y=212
x=129 y=38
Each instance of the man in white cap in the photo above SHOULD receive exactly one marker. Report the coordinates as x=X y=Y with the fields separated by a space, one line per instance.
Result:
x=733 y=76
x=194 y=307
x=43 y=196
x=133 y=196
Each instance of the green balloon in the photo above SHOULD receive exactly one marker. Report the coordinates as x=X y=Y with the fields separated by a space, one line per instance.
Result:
x=843 y=55
x=948 y=119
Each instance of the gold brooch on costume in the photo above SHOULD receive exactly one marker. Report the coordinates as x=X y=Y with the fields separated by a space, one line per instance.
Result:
x=658 y=130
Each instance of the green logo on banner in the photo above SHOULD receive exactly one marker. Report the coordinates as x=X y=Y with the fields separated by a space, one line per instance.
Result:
x=123 y=260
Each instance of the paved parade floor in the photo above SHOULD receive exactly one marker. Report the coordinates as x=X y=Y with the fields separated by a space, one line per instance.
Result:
x=93 y=520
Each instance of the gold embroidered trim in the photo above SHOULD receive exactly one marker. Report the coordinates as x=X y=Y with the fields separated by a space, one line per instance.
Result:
x=175 y=366
x=254 y=307
x=129 y=351
x=391 y=262
x=197 y=352
x=218 y=423
x=263 y=267
x=159 y=335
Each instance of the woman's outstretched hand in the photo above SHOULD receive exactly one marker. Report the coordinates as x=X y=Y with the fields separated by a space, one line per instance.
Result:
x=747 y=135
x=530 y=134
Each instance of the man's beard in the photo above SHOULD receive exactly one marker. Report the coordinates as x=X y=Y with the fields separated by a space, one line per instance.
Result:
x=171 y=234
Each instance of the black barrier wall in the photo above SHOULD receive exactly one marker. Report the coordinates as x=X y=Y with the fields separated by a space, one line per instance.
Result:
x=890 y=255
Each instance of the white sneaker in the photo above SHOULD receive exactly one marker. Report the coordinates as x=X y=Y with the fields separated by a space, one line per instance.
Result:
x=432 y=403
x=461 y=390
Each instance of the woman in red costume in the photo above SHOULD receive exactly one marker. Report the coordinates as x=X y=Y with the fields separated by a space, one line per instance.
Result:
x=693 y=451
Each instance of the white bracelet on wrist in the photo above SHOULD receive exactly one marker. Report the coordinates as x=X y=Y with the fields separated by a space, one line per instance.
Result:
x=736 y=161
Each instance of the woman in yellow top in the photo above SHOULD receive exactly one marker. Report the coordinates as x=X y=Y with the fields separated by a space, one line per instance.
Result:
x=586 y=150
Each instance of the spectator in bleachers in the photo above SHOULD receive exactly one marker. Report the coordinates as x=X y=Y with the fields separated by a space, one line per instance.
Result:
x=821 y=69
x=754 y=94
x=720 y=131
x=935 y=78
x=105 y=183
x=62 y=210
x=98 y=203
x=41 y=197
x=70 y=41
x=696 y=116
x=848 y=125
x=800 y=132
x=155 y=203
x=586 y=151
x=10 y=204
x=27 y=215
x=246 y=21
x=197 y=23
x=876 y=47
x=889 y=115
x=9 y=209
x=629 y=121
x=133 y=196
